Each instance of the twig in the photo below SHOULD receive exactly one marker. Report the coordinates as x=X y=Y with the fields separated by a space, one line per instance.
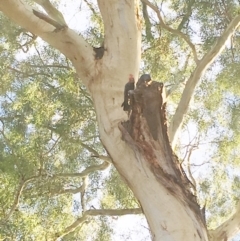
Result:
x=34 y=37
x=53 y=146
x=39 y=55
x=95 y=153
x=187 y=15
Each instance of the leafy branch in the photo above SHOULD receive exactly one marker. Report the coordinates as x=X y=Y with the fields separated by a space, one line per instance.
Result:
x=81 y=189
x=19 y=191
x=195 y=77
x=171 y=30
x=187 y=15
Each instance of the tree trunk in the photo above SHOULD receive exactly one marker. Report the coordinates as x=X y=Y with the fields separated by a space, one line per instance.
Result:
x=139 y=147
x=145 y=160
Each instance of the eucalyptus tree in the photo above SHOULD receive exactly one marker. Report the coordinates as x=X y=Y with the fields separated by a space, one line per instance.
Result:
x=146 y=162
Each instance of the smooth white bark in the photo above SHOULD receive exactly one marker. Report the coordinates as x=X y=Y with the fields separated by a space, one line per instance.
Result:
x=169 y=218
x=108 y=76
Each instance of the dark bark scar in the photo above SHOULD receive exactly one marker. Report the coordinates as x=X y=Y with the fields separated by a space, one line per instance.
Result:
x=147 y=135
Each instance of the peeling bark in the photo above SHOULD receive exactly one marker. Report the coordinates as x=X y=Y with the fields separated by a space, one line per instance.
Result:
x=148 y=129
x=146 y=133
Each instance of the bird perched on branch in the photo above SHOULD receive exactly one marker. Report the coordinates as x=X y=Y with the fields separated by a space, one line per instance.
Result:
x=145 y=79
x=128 y=86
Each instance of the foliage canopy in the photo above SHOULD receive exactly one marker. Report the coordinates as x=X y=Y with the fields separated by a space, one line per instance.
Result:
x=52 y=163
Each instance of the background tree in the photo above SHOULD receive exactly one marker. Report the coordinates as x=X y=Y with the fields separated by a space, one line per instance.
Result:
x=51 y=153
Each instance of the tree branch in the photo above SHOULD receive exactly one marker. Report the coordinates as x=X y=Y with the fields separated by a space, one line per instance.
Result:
x=27 y=43
x=90 y=149
x=171 y=30
x=84 y=186
x=187 y=15
x=52 y=11
x=87 y=171
x=47 y=19
x=98 y=212
x=113 y=212
x=16 y=200
x=52 y=147
x=190 y=172
x=72 y=227
x=17 y=197
x=95 y=153
x=148 y=31
x=66 y=41
x=81 y=189
x=26 y=74
x=50 y=66
x=228 y=229
x=195 y=77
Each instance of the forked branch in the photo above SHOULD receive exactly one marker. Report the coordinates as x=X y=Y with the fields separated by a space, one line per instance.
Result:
x=171 y=30
x=195 y=77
